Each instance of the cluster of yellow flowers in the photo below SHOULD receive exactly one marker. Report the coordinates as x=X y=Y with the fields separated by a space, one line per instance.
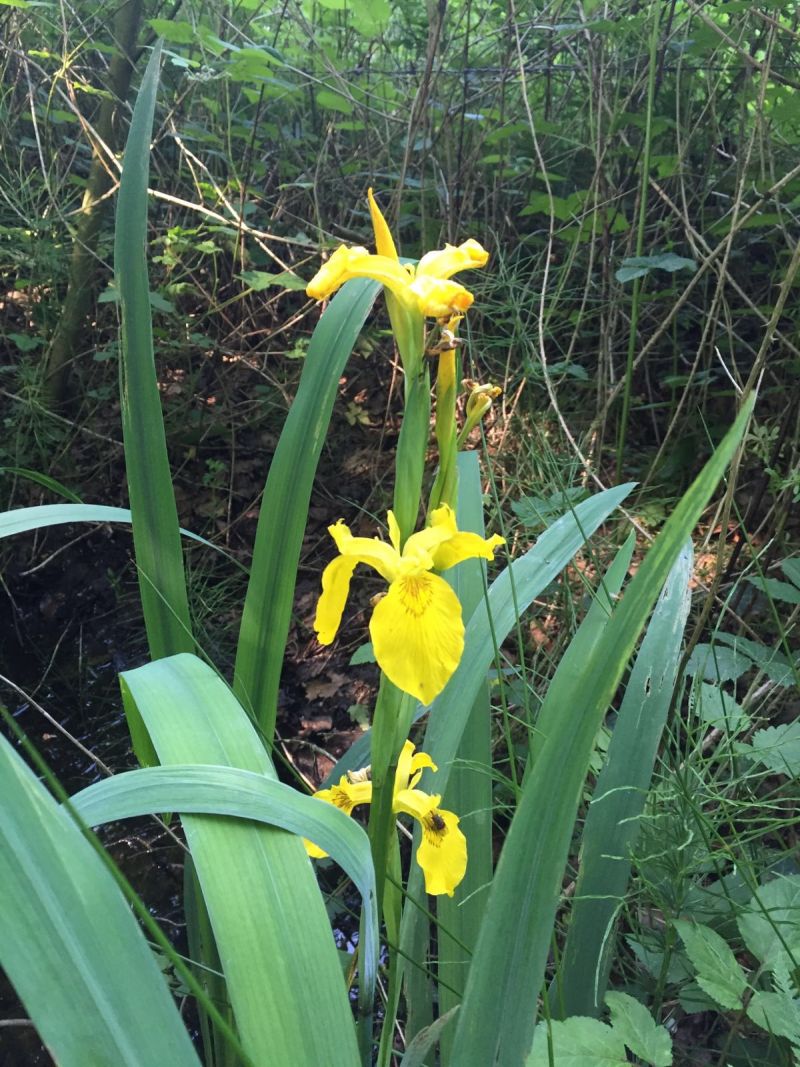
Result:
x=416 y=627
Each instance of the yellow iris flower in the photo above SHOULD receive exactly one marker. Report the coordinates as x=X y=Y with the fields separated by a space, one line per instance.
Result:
x=426 y=289
x=416 y=628
x=442 y=853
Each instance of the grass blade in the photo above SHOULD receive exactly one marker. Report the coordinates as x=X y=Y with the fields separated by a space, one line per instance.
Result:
x=156 y=535
x=619 y=797
x=498 y=1014
x=284 y=506
x=69 y=943
x=266 y=910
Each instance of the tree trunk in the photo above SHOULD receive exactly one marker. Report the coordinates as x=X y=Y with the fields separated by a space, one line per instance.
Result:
x=68 y=336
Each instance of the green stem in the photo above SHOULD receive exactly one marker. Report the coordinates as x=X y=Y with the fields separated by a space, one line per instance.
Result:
x=445 y=486
x=637 y=284
x=391 y=723
x=411 y=449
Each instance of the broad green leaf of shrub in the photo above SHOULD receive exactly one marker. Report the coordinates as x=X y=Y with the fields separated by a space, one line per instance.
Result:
x=638 y=266
x=369 y=17
x=718 y=973
x=334 y=101
x=640 y=1032
x=777 y=1013
x=173 y=31
x=773 y=663
x=718 y=709
x=717 y=664
x=581 y=1041
x=777 y=748
x=577 y=1042
x=791 y=568
x=259 y=280
x=770 y=925
x=776 y=589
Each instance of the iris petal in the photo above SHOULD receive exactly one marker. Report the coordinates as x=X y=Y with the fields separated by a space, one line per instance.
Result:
x=334 y=273
x=444 y=262
x=439 y=298
x=335 y=587
x=463 y=546
x=442 y=853
x=383 y=558
x=418 y=634
x=384 y=242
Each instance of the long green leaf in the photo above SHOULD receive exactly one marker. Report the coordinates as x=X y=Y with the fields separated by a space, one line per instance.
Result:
x=156 y=535
x=469 y=788
x=22 y=520
x=284 y=506
x=583 y=643
x=498 y=1013
x=69 y=942
x=611 y=823
x=244 y=795
x=266 y=910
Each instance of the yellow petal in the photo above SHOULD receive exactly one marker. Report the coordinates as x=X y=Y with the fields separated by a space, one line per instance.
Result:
x=465 y=546
x=420 y=761
x=345 y=796
x=384 y=242
x=421 y=546
x=442 y=853
x=416 y=803
x=439 y=298
x=446 y=262
x=383 y=558
x=387 y=271
x=335 y=587
x=418 y=634
x=333 y=273
x=403 y=772
x=314 y=851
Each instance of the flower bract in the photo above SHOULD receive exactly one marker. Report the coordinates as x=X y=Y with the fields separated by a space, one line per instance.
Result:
x=416 y=628
x=426 y=289
x=442 y=853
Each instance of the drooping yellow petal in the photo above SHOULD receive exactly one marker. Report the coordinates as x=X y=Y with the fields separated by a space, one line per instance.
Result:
x=442 y=853
x=418 y=634
x=384 y=242
x=447 y=261
x=333 y=273
x=335 y=587
x=415 y=803
x=463 y=545
x=347 y=263
x=383 y=558
x=439 y=298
